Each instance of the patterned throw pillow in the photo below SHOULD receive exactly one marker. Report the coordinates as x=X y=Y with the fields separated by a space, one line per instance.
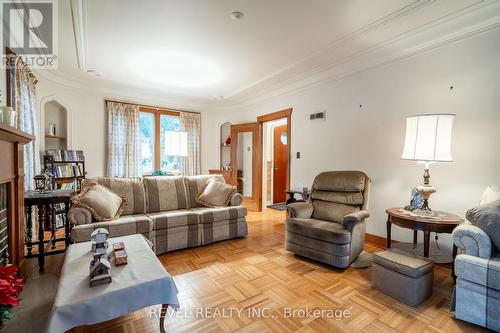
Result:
x=102 y=203
x=215 y=193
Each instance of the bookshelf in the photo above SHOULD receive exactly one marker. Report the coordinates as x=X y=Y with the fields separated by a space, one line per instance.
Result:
x=67 y=166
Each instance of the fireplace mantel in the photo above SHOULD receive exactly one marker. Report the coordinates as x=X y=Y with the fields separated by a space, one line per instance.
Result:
x=12 y=143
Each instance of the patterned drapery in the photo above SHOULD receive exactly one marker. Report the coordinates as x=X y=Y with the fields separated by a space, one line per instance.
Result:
x=191 y=123
x=24 y=102
x=124 y=141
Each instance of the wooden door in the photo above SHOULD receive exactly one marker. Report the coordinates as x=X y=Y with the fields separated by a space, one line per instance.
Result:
x=280 y=159
x=246 y=159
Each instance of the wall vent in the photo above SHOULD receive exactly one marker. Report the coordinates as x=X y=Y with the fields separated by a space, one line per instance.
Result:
x=318 y=115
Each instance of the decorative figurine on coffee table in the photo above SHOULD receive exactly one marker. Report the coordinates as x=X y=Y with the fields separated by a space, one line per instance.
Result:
x=99 y=238
x=100 y=267
x=100 y=271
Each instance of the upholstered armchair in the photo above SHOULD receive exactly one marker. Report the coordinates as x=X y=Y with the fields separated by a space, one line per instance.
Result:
x=477 y=267
x=330 y=228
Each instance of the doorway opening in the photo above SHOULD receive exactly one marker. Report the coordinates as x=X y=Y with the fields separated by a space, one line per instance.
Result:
x=275 y=159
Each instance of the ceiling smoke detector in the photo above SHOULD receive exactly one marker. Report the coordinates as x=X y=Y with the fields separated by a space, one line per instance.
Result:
x=236 y=15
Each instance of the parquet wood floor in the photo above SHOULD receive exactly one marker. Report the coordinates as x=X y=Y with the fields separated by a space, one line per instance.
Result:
x=257 y=274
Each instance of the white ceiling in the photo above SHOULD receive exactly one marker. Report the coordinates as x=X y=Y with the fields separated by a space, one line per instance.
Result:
x=276 y=42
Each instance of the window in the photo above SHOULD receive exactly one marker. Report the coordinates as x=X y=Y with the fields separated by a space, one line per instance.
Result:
x=170 y=124
x=147 y=128
x=155 y=155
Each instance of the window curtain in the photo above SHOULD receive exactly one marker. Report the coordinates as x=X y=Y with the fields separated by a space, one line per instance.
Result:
x=124 y=142
x=191 y=123
x=24 y=102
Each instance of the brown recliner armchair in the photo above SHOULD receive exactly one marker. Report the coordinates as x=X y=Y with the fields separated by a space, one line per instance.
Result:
x=331 y=227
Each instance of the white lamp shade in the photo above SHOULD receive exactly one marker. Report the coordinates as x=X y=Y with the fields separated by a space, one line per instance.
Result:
x=428 y=138
x=175 y=143
x=146 y=149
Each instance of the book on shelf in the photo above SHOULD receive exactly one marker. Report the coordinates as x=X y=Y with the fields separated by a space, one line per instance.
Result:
x=65 y=155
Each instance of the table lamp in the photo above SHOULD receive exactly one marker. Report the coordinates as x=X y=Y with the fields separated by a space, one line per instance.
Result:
x=427 y=140
x=175 y=145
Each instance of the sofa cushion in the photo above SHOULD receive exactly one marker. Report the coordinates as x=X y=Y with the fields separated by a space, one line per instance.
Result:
x=130 y=188
x=173 y=219
x=491 y=193
x=171 y=239
x=125 y=225
x=211 y=215
x=332 y=211
x=323 y=230
x=487 y=218
x=101 y=202
x=227 y=229
x=485 y=272
x=164 y=193
x=215 y=194
x=194 y=184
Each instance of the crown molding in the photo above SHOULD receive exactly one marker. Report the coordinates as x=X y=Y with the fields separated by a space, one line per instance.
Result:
x=124 y=92
x=373 y=26
x=426 y=38
x=79 y=18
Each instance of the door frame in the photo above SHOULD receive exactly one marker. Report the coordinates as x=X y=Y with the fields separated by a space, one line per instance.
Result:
x=254 y=202
x=275 y=141
x=286 y=113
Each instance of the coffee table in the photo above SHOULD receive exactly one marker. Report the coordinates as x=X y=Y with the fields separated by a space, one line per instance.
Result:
x=141 y=283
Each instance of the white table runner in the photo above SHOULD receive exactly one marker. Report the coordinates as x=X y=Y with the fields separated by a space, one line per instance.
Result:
x=141 y=283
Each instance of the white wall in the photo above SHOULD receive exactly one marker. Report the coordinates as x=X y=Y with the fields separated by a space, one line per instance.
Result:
x=87 y=123
x=370 y=138
x=54 y=114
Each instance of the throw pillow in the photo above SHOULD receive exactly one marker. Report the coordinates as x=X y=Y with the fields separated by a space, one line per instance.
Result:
x=102 y=203
x=215 y=193
x=487 y=218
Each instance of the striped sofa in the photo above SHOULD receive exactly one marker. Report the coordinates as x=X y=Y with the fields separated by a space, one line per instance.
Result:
x=164 y=210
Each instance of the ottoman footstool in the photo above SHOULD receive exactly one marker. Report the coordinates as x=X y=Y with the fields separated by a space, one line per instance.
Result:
x=402 y=275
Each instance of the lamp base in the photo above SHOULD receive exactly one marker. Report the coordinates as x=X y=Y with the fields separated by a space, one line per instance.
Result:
x=426 y=191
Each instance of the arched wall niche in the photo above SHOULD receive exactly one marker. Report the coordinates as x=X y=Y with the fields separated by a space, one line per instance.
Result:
x=225 y=149
x=55 y=124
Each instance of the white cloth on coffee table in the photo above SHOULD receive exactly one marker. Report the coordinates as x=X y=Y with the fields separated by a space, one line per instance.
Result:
x=141 y=283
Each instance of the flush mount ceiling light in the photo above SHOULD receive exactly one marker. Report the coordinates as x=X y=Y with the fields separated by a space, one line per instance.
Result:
x=176 y=69
x=236 y=15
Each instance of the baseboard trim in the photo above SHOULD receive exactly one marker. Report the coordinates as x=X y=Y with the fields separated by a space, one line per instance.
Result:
x=381 y=242
x=377 y=241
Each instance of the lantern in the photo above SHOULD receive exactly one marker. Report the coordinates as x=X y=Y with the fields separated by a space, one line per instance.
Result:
x=42 y=183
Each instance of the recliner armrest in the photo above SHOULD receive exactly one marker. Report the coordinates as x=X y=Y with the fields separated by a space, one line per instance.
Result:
x=472 y=240
x=236 y=199
x=300 y=210
x=353 y=218
x=79 y=216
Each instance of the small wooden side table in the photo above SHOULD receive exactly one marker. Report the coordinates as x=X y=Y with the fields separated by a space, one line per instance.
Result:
x=291 y=196
x=442 y=222
x=45 y=203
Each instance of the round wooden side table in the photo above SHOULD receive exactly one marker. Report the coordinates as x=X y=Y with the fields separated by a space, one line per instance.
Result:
x=441 y=222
